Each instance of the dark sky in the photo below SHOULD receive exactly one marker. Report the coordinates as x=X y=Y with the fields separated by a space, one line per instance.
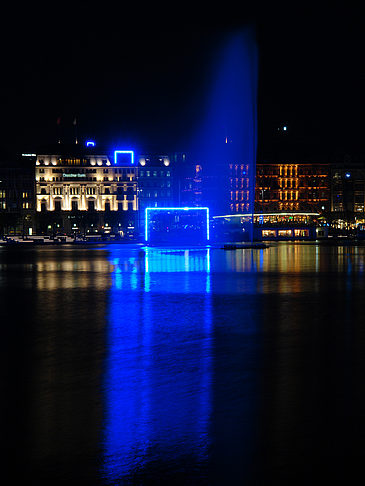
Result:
x=140 y=78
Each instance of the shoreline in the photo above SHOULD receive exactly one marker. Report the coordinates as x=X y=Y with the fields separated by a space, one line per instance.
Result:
x=29 y=243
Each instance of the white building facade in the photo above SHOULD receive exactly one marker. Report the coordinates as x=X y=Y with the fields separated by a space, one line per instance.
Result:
x=66 y=183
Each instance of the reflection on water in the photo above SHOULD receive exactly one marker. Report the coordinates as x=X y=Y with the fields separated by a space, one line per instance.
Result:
x=130 y=365
x=158 y=368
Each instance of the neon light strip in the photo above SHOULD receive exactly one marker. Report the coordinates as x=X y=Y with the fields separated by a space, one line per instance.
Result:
x=265 y=214
x=146 y=225
x=174 y=209
x=131 y=152
x=208 y=224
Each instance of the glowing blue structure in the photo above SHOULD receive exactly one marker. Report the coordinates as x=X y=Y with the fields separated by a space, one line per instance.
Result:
x=177 y=225
x=226 y=135
x=90 y=143
x=123 y=157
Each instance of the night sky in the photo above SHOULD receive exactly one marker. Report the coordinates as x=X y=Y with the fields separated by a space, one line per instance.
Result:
x=139 y=79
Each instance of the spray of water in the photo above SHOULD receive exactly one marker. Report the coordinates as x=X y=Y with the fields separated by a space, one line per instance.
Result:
x=227 y=135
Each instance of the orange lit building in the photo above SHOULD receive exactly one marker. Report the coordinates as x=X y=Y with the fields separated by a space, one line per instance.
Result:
x=292 y=187
x=281 y=187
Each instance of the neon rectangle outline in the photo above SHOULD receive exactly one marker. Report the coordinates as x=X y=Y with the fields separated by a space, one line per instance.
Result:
x=124 y=152
x=174 y=209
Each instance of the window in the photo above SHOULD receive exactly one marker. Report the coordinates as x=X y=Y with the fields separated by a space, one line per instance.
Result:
x=285 y=233
x=268 y=233
x=301 y=232
x=74 y=205
x=57 y=205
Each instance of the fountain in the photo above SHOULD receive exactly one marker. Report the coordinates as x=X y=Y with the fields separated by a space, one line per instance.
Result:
x=226 y=141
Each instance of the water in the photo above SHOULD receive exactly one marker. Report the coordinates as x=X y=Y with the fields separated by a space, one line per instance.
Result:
x=125 y=366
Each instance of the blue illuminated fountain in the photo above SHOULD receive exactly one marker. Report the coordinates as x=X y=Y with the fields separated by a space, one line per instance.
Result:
x=228 y=129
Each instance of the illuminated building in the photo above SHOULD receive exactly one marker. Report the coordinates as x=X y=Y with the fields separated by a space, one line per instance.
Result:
x=347 y=194
x=292 y=187
x=279 y=187
x=155 y=183
x=267 y=226
x=239 y=196
x=74 y=181
x=347 y=188
x=17 y=215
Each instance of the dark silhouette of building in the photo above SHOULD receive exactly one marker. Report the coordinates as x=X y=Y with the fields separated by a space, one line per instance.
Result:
x=17 y=187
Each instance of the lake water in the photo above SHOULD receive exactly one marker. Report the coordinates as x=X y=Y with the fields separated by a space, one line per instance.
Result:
x=125 y=365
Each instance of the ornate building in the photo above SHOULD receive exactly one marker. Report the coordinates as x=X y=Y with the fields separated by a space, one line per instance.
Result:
x=81 y=189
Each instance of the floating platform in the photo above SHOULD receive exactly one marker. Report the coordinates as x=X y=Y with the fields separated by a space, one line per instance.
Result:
x=244 y=246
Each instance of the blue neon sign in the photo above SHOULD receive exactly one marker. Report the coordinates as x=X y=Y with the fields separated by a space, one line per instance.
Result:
x=90 y=143
x=148 y=211
x=124 y=157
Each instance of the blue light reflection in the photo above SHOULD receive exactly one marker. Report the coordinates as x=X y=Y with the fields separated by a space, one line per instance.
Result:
x=158 y=369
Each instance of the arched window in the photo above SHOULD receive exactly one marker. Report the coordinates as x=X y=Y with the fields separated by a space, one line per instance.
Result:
x=74 y=205
x=57 y=204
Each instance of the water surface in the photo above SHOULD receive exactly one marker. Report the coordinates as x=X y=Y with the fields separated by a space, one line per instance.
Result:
x=125 y=365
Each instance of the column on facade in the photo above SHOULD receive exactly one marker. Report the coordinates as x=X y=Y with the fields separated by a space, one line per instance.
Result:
x=66 y=197
x=98 y=197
